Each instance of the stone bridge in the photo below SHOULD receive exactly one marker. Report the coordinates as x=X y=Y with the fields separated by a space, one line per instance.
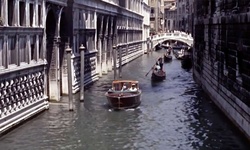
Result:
x=176 y=35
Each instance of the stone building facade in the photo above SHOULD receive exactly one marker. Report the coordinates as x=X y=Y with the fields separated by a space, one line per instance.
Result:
x=170 y=12
x=221 y=56
x=156 y=16
x=34 y=35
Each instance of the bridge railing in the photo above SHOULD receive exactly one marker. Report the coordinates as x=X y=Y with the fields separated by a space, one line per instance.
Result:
x=176 y=35
x=173 y=34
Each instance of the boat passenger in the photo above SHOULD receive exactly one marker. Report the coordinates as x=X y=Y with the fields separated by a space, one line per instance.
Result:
x=124 y=88
x=159 y=63
x=133 y=88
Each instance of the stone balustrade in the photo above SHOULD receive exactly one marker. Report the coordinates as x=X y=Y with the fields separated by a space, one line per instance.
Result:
x=176 y=35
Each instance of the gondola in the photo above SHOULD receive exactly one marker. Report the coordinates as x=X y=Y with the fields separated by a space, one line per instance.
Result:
x=186 y=62
x=124 y=94
x=167 y=58
x=166 y=46
x=158 y=47
x=158 y=75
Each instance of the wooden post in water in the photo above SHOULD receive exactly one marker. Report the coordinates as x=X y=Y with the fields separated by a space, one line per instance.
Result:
x=148 y=40
x=82 y=50
x=120 y=60
x=151 y=41
x=114 y=61
x=68 y=51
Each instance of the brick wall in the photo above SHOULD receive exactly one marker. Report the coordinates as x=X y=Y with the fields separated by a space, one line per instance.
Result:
x=222 y=56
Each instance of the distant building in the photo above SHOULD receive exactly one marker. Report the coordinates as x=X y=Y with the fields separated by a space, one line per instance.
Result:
x=156 y=16
x=170 y=11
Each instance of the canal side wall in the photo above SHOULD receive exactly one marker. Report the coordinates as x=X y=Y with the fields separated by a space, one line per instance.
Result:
x=33 y=64
x=221 y=59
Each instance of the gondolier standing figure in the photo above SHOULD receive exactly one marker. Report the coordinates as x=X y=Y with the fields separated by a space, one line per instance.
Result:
x=159 y=63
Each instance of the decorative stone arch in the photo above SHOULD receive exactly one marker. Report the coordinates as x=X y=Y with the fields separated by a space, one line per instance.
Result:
x=179 y=40
x=55 y=46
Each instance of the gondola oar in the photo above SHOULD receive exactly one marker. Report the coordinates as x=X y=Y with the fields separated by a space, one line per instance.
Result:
x=150 y=70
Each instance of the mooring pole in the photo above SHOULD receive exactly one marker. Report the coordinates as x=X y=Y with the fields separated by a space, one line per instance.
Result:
x=151 y=41
x=82 y=49
x=120 y=60
x=148 y=40
x=68 y=51
x=114 y=61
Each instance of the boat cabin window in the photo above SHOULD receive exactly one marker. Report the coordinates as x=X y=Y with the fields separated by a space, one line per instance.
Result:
x=116 y=87
x=124 y=86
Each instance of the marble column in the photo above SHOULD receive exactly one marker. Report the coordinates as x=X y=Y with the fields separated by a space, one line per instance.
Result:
x=16 y=13
x=36 y=22
x=17 y=50
x=37 y=48
x=27 y=15
x=5 y=12
x=105 y=47
x=110 y=45
x=100 y=48
x=28 y=49
x=5 y=48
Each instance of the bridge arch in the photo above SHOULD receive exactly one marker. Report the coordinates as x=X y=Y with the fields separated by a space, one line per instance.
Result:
x=176 y=36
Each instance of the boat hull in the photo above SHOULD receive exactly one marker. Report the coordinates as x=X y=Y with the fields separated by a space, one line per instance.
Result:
x=167 y=58
x=158 y=76
x=158 y=47
x=123 y=100
x=186 y=63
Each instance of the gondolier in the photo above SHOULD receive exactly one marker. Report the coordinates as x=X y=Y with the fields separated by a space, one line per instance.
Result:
x=159 y=62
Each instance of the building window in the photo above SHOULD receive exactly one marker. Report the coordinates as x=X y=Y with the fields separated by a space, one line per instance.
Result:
x=10 y=12
x=2 y=58
x=152 y=10
x=22 y=49
x=33 y=48
x=22 y=13
x=12 y=52
x=39 y=15
x=31 y=14
x=40 y=47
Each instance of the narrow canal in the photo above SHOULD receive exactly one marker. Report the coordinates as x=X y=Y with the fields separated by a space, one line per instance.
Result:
x=174 y=115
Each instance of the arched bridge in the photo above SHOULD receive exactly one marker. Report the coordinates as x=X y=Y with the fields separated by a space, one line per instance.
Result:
x=176 y=35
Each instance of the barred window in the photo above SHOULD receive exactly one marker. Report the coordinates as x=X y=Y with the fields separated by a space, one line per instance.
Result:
x=33 y=47
x=40 y=47
x=12 y=52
